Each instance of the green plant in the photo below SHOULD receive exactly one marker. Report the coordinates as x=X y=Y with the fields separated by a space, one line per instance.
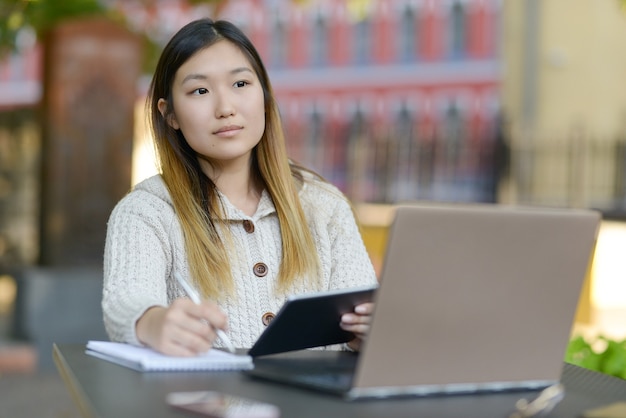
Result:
x=601 y=354
x=39 y=15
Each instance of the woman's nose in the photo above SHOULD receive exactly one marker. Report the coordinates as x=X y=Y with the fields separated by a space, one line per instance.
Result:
x=224 y=106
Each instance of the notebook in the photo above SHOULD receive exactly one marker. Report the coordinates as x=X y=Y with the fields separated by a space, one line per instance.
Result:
x=472 y=298
x=145 y=359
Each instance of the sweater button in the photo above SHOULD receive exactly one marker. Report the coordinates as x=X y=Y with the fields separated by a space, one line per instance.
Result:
x=248 y=226
x=260 y=269
x=267 y=318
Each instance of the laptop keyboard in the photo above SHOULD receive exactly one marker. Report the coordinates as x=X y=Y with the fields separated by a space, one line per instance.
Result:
x=326 y=374
x=342 y=381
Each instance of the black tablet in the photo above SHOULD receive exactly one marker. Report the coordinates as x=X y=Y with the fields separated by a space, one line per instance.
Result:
x=310 y=320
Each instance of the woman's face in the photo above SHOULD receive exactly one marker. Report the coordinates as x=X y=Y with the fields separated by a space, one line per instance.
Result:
x=218 y=104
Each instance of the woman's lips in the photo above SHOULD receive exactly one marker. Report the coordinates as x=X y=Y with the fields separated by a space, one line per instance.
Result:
x=226 y=130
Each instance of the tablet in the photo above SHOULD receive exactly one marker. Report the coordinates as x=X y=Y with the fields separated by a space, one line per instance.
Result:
x=310 y=320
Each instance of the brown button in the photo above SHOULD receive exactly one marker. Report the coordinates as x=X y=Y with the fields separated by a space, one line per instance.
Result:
x=248 y=226
x=260 y=269
x=267 y=318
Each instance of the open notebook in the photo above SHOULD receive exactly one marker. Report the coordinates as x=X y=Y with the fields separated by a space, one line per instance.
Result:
x=146 y=359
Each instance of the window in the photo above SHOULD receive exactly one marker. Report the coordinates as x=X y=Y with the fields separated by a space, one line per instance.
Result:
x=319 y=49
x=456 y=46
x=278 y=44
x=362 y=41
x=408 y=35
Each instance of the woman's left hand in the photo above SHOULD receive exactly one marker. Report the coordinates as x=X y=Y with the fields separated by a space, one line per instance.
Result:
x=358 y=322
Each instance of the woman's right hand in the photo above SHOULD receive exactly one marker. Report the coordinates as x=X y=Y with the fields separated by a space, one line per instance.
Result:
x=182 y=329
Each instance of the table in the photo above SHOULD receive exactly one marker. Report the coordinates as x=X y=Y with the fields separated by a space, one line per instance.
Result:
x=107 y=390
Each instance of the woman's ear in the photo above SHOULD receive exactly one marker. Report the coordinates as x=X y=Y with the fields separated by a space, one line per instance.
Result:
x=170 y=118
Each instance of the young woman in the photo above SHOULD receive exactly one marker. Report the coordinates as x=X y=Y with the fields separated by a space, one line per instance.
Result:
x=228 y=212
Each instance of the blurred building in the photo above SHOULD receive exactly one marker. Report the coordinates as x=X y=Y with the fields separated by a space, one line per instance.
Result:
x=564 y=96
x=390 y=100
x=20 y=79
x=20 y=156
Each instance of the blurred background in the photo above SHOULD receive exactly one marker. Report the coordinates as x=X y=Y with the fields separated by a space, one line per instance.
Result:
x=488 y=101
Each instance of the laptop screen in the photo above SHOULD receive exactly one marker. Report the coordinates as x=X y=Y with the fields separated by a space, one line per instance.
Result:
x=476 y=296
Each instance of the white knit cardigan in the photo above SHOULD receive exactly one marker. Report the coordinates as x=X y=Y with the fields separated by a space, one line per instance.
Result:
x=144 y=247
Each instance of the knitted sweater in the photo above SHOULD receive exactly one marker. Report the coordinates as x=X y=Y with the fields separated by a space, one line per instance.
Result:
x=145 y=246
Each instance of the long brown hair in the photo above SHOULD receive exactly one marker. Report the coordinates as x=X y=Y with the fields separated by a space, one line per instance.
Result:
x=195 y=196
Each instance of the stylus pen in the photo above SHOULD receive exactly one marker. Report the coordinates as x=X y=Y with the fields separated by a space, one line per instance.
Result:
x=195 y=297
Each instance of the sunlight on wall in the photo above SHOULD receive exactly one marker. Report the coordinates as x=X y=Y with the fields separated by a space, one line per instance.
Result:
x=8 y=291
x=609 y=268
x=144 y=159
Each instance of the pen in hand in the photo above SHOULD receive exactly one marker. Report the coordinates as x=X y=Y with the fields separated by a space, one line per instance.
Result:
x=195 y=297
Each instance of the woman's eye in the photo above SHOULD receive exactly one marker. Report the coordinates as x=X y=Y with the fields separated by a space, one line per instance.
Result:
x=241 y=83
x=200 y=91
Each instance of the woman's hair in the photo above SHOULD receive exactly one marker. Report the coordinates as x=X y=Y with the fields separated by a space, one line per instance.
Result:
x=195 y=196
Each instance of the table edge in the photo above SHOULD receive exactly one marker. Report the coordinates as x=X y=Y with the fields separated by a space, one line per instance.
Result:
x=71 y=383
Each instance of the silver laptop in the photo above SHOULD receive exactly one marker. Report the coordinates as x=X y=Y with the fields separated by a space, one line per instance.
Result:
x=472 y=298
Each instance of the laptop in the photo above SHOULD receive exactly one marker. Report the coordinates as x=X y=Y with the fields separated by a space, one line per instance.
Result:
x=472 y=298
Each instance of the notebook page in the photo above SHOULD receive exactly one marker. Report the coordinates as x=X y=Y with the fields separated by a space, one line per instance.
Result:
x=147 y=359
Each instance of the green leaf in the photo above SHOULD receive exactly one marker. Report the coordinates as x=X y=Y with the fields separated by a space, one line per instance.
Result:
x=581 y=353
x=614 y=359
x=40 y=15
x=611 y=360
